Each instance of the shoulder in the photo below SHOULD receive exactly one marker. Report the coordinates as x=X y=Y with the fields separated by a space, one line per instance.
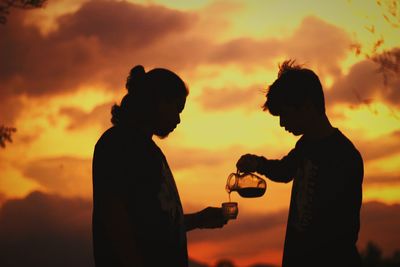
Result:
x=130 y=141
x=344 y=142
x=119 y=146
x=122 y=140
x=346 y=147
x=111 y=138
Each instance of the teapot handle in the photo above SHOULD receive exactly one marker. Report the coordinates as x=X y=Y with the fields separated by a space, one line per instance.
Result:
x=229 y=185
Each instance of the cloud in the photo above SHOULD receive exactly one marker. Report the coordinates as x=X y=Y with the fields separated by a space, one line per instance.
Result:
x=385 y=178
x=379 y=223
x=246 y=51
x=101 y=114
x=364 y=84
x=210 y=99
x=325 y=53
x=240 y=228
x=303 y=45
x=2 y=198
x=98 y=43
x=10 y=108
x=231 y=98
x=121 y=25
x=66 y=176
x=50 y=230
x=256 y=233
x=45 y=230
x=91 y=46
x=71 y=176
x=101 y=40
x=188 y=157
x=384 y=146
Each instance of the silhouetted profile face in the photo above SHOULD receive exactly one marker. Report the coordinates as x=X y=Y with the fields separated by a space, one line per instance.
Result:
x=297 y=97
x=294 y=120
x=168 y=116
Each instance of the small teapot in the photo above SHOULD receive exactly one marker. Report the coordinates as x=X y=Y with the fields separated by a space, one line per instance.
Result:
x=247 y=184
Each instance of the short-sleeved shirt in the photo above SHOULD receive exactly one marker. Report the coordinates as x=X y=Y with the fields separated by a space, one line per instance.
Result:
x=129 y=166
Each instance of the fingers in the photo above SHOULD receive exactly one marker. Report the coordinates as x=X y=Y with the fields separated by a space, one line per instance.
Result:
x=247 y=163
x=212 y=217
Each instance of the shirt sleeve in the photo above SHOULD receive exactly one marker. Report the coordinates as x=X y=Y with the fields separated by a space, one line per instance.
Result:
x=282 y=170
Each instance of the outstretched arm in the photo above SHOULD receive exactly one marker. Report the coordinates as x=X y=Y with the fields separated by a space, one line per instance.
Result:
x=282 y=170
x=210 y=217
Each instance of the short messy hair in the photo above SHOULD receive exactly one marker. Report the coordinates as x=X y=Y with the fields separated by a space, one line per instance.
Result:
x=294 y=86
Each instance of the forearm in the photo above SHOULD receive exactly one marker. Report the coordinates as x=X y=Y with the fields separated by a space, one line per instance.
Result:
x=275 y=170
x=191 y=221
x=208 y=218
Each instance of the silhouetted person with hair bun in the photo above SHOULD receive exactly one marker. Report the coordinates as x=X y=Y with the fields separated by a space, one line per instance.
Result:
x=326 y=170
x=138 y=219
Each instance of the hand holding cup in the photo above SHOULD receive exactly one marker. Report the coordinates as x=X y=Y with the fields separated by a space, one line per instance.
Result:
x=230 y=210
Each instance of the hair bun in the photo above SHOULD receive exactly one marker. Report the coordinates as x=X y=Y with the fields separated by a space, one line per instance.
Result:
x=135 y=79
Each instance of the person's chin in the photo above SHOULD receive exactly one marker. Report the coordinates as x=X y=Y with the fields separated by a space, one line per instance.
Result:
x=294 y=132
x=163 y=133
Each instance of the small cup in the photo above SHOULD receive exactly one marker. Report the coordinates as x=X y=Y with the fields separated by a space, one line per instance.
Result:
x=230 y=210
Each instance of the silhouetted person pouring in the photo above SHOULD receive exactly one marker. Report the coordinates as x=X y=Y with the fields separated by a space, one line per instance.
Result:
x=326 y=170
x=137 y=214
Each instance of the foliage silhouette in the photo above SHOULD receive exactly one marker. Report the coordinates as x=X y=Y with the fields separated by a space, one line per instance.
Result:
x=5 y=6
x=372 y=256
x=5 y=135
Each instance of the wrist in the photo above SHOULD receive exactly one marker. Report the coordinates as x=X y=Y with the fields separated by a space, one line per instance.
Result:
x=260 y=162
x=198 y=220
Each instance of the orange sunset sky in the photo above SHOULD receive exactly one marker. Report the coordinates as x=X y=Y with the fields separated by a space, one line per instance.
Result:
x=63 y=66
